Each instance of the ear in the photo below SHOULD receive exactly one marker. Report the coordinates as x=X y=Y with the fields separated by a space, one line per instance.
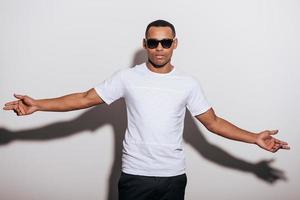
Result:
x=175 y=42
x=144 y=43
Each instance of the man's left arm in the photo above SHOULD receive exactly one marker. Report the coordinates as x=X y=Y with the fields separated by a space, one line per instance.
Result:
x=226 y=129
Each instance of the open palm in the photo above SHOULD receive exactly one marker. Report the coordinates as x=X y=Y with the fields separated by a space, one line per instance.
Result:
x=269 y=143
x=24 y=106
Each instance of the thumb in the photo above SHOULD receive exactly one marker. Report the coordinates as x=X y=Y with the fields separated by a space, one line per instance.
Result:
x=273 y=132
x=18 y=96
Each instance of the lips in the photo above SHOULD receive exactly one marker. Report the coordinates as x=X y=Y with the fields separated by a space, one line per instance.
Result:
x=159 y=56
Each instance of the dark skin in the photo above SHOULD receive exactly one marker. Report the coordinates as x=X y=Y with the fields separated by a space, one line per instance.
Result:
x=159 y=61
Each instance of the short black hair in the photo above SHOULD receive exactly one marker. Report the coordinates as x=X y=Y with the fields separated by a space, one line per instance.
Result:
x=160 y=23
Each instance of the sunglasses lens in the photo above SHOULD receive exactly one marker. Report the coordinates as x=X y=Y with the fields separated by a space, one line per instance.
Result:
x=166 y=43
x=151 y=43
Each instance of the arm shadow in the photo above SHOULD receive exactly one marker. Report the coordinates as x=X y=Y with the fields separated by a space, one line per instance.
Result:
x=115 y=115
x=91 y=120
x=262 y=169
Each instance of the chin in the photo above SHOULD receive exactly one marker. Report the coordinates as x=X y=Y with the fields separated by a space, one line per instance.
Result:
x=159 y=64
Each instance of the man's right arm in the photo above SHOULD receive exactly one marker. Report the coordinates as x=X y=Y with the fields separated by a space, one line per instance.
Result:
x=26 y=105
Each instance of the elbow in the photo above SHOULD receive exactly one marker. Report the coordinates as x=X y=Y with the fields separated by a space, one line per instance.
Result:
x=85 y=100
x=89 y=99
x=212 y=125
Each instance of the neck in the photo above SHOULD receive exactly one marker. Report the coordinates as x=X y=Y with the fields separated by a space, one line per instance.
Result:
x=165 y=68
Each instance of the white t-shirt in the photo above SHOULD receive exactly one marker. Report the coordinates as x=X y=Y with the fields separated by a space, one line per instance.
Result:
x=156 y=105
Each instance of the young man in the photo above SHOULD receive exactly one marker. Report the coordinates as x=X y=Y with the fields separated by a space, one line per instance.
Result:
x=156 y=95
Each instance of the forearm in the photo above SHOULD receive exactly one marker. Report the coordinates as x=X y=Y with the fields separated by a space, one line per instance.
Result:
x=69 y=102
x=226 y=129
x=230 y=131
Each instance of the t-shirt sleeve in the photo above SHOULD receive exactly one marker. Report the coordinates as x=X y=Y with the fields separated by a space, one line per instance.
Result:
x=196 y=102
x=111 y=89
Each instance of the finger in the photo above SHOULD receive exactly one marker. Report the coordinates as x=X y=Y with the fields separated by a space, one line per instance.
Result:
x=270 y=148
x=11 y=103
x=280 y=142
x=273 y=150
x=21 y=109
x=273 y=132
x=15 y=111
x=10 y=107
x=18 y=96
x=18 y=110
x=275 y=146
x=19 y=113
x=285 y=147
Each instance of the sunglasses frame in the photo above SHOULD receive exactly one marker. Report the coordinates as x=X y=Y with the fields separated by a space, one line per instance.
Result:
x=159 y=42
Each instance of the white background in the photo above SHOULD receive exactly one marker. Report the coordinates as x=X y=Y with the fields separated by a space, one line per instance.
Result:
x=246 y=54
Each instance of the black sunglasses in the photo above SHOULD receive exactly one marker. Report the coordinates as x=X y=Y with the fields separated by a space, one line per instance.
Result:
x=153 y=43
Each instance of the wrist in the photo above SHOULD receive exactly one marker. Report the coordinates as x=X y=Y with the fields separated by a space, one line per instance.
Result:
x=38 y=105
x=255 y=138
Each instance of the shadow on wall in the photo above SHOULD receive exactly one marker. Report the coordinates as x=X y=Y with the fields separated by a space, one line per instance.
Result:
x=115 y=115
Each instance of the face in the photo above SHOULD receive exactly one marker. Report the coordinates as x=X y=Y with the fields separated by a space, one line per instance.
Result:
x=160 y=56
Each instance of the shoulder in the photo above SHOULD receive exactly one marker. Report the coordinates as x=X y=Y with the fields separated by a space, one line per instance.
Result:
x=125 y=74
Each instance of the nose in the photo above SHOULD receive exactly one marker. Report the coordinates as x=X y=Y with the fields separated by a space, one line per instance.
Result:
x=159 y=47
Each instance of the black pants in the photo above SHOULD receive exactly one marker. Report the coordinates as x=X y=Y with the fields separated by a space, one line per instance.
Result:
x=134 y=187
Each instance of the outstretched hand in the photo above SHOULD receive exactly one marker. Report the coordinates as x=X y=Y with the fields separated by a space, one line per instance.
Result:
x=266 y=141
x=24 y=106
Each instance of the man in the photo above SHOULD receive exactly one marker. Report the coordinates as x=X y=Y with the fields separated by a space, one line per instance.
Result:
x=156 y=96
